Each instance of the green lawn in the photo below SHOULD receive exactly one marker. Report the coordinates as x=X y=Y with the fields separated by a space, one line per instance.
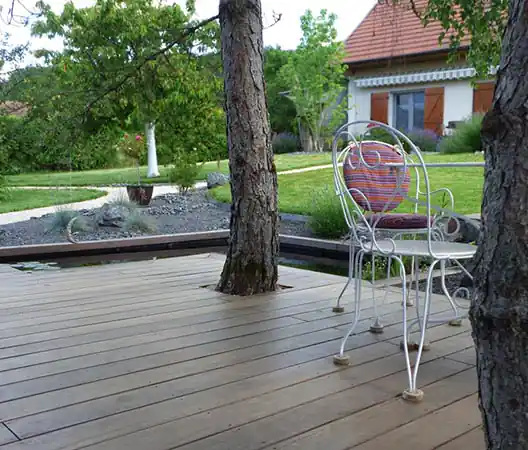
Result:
x=129 y=175
x=21 y=199
x=296 y=191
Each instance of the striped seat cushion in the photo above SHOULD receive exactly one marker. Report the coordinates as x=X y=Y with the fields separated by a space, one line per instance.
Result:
x=377 y=188
x=405 y=222
x=399 y=221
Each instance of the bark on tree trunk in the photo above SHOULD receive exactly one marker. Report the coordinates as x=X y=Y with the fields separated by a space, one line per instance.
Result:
x=252 y=257
x=152 y=156
x=499 y=311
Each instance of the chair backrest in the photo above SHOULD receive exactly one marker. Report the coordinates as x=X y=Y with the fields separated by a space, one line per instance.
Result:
x=375 y=186
x=372 y=178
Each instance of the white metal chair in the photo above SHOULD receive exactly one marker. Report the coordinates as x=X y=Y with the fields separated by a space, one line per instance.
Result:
x=396 y=225
x=382 y=178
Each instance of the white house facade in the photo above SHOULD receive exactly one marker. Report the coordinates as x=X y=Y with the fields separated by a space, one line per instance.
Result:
x=399 y=75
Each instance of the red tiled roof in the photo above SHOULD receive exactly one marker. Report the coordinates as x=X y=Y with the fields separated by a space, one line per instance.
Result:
x=393 y=30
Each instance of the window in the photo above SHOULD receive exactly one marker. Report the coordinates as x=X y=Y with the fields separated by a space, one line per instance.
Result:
x=409 y=110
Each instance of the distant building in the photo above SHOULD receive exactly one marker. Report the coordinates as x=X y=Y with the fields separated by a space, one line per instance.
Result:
x=398 y=73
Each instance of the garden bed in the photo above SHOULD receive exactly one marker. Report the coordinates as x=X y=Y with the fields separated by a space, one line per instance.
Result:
x=167 y=214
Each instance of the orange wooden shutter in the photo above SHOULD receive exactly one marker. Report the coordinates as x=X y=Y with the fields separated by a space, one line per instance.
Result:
x=379 y=107
x=483 y=97
x=434 y=110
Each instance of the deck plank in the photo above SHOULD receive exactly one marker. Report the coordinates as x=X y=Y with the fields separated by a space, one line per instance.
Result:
x=30 y=386
x=251 y=424
x=141 y=355
x=472 y=440
x=250 y=379
x=369 y=423
x=276 y=428
x=425 y=432
x=6 y=436
x=226 y=307
x=179 y=387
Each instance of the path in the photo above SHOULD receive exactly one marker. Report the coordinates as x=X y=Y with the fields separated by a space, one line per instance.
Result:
x=113 y=193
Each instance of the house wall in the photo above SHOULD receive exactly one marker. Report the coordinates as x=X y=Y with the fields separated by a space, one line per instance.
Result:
x=458 y=99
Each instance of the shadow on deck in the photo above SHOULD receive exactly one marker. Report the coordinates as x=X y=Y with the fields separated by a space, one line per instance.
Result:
x=139 y=356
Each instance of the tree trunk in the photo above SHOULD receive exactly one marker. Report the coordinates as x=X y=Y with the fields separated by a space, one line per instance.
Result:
x=150 y=133
x=318 y=147
x=307 y=141
x=252 y=256
x=499 y=311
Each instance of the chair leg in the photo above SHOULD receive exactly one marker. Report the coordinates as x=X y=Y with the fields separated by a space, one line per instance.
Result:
x=414 y=275
x=409 y=393
x=341 y=359
x=338 y=308
x=413 y=394
x=456 y=321
x=412 y=345
x=419 y=319
x=376 y=327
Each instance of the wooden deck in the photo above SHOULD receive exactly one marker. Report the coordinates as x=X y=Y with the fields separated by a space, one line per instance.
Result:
x=141 y=356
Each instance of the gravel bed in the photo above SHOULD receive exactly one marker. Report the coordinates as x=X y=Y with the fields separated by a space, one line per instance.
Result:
x=168 y=214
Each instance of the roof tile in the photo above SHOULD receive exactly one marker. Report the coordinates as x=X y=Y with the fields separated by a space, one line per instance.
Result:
x=393 y=30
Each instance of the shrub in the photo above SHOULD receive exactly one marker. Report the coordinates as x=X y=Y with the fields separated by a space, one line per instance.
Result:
x=62 y=217
x=138 y=222
x=185 y=171
x=123 y=201
x=326 y=215
x=285 y=143
x=381 y=265
x=466 y=137
x=35 y=143
x=379 y=134
x=97 y=151
x=425 y=140
x=5 y=190
x=10 y=145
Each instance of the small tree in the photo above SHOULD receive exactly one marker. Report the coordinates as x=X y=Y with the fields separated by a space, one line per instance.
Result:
x=134 y=148
x=315 y=76
x=127 y=51
x=283 y=116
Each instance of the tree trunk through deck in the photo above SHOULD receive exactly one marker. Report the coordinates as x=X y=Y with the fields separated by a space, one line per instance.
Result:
x=252 y=257
x=499 y=311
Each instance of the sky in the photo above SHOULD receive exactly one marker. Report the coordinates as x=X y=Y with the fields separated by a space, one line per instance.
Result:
x=286 y=33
